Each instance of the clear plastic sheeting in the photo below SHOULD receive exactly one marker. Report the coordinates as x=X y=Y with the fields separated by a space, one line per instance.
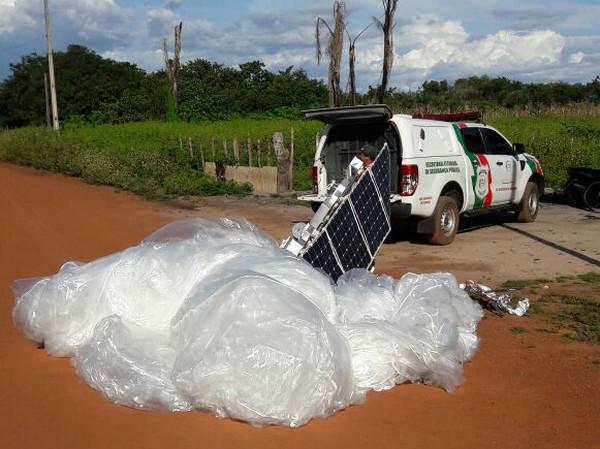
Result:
x=213 y=316
x=420 y=328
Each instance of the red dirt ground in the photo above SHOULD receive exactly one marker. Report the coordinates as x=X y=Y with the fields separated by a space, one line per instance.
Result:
x=526 y=390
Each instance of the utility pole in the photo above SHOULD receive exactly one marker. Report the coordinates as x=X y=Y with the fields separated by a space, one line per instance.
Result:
x=53 y=101
x=47 y=97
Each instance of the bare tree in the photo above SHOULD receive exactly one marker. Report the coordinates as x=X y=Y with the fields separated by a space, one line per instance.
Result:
x=173 y=65
x=352 y=63
x=335 y=48
x=387 y=26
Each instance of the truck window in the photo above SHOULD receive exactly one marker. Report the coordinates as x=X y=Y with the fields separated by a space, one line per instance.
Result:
x=495 y=143
x=473 y=140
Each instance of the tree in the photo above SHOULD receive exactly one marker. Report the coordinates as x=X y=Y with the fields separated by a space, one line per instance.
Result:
x=173 y=65
x=387 y=26
x=85 y=82
x=335 y=48
x=352 y=62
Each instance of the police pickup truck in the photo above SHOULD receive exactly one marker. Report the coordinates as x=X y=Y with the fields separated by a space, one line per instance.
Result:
x=443 y=166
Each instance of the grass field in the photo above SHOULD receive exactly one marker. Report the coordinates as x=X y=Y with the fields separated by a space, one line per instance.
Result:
x=147 y=158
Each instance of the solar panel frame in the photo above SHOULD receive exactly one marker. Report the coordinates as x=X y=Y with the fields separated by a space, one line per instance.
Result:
x=359 y=225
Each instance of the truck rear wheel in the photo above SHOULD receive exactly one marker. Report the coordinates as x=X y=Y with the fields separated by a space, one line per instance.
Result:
x=445 y=221
x=530 y=204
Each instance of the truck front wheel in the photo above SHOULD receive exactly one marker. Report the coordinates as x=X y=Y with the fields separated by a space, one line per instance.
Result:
x=445 y=221
x=530 y=204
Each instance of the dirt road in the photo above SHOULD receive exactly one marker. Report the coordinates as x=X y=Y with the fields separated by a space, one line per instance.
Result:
x=522 y=390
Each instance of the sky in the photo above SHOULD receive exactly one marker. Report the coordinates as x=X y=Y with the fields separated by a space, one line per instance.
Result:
x=528 y=40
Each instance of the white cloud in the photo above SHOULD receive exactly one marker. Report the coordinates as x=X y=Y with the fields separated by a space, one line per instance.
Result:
x=576 y=58
x=14 y=15
x=447 y=45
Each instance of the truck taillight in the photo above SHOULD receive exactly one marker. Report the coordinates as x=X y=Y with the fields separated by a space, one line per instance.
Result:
x=315 y=180
x=409 y=179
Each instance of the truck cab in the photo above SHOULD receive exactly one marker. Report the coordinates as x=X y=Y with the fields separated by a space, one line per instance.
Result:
x=442 y=166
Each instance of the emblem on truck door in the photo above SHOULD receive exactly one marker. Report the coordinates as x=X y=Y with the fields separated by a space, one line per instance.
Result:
x=482 y=186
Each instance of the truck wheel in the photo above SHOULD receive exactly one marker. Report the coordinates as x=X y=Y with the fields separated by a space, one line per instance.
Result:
x=530 y=204
x=445 y=221
x=591 y=196
x=314 y=205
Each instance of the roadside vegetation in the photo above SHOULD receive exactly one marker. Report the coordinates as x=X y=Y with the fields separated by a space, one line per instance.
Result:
x=120 y=126
x=92 y=151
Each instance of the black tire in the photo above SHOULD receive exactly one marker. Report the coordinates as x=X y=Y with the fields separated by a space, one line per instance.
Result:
x=591 y=197
x=530 y=204
x=314 y=205
x=445 y=222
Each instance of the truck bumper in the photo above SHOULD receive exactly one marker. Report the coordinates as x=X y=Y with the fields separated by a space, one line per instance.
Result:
x=400 y=211
x=313 y=198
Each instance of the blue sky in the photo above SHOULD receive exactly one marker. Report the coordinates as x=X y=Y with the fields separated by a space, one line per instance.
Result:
x=530 y=40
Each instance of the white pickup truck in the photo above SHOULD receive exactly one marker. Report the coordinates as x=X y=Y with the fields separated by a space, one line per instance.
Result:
x=442 y=166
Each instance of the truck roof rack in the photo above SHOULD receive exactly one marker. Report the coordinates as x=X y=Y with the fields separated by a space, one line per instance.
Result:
x=472 y=116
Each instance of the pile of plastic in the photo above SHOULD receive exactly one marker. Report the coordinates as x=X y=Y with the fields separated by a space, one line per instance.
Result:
x=214 y=316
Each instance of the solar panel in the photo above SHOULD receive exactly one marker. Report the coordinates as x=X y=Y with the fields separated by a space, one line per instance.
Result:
x=381 y=173
x=320 y=255
x=372 y=217
x=350 y=236
x=346 y=236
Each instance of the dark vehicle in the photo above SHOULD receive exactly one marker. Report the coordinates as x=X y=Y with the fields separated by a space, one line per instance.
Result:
x=583 y=187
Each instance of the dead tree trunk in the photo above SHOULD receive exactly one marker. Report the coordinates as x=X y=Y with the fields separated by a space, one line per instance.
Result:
x=335 y=48
x=389 y=8
x=173 y=65
x=352 y=64
x=352 y=74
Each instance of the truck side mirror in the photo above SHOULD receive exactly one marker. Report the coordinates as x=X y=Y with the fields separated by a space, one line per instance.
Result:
x=519 y=148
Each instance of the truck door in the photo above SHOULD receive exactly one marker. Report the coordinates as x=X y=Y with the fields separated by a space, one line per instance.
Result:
x=503 y=165
x=480 y=195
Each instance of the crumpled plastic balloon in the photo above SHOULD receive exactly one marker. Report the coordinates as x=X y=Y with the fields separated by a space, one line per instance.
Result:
x=214 y=316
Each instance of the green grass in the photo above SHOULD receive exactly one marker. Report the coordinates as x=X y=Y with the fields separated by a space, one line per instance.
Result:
x=557 y=141
x=580 y=315
x=147 y=157
x=523 y=283
x=591 y=277
x=564 y=279
x=152 y=158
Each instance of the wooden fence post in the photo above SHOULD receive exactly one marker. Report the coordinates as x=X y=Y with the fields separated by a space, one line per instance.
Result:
x=202 y=155
x=236 y=151
x=292 y=159
x=283 y=163
x=258 y=151
x=249 y=148
x=269 y=152
x=213 y=149
x=190 y=148
x=225 y=152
